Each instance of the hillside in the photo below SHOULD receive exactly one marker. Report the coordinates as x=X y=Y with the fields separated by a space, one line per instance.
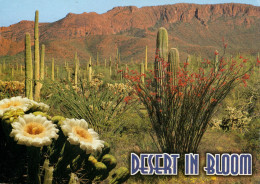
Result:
x=194 y=29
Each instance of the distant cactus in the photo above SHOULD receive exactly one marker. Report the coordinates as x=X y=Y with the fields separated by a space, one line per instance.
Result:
x=42 y=62
x=1 y=69
x=52 y=69
x=216 y=62
x=57 y=72
x=146 y=65
x=76 y=69
x=90 y=70
x=142 y=72
x=97 y=59
x=28 y=67
x=4 y=66
x=105 y=63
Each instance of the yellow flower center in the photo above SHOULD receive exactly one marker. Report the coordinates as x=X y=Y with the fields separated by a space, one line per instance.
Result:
x=34 y=129
x=10 y=104
x=83 y=134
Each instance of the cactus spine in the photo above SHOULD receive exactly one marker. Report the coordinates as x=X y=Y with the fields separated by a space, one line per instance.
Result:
x=52 y=69
x=146 y=67
x=37 y=85
x=42 y=62
x=162 y=52
x=173 y=60
x=28 y=67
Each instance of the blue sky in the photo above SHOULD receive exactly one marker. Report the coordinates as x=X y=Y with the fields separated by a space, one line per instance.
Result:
x=13 y=11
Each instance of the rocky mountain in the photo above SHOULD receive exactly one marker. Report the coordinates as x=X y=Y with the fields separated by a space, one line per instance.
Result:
x=194 y=29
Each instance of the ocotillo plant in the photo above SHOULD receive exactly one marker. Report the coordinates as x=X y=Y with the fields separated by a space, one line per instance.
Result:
x=146 y=65
x=173 y=60
x=42 y=63
x=162 y=54
x=37 y=85
x=28 y=68
x=52 y=69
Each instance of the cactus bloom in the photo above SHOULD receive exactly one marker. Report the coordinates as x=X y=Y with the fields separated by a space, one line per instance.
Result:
x=31 y=130
x=15 y=103
x=79 y=134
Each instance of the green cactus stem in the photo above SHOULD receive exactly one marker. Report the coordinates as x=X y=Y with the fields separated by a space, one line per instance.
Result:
x=37 y=85
x=0 y=69
x=34 y=165
x=142 y=72
x=57 y=72
x=12 y=73
x=216 y=62
x=42 y=62
x=110 y=161
x=68 y=72
x=74 y=179
x=48 y=176
x=52 y=69
x=28 y=67
x=97 y=59
x=21 y=69
x=173 y=60
x=146 y=65
x=90 y=70
x=162 y=52
x=120 y=176
x=76 y=69
x=105 y=63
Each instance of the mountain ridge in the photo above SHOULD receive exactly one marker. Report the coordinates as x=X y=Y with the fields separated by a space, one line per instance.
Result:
x=192 y=28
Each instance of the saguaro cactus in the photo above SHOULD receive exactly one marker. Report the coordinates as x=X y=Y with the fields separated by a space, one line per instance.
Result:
x=76 y=69
x=28 y=67
x=162 y=52
x=42 y=62
x=97 y=58
x=37 y=85
x=146 y=65
x=90 y=70
x=110 y=66
x=142 y=72
x=52 y=69
x=173 y=60
x=216 y=62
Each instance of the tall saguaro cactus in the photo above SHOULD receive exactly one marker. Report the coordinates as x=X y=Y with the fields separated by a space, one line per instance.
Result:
x=142 y=72
x=162 y=54
x=37 y=85
x=76 y=69
x=173 y=60
x=90 y=70
x=28 y=67
x=42 y=62
x=52 y=69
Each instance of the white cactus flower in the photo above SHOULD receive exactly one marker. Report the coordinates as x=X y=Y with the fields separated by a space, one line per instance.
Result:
x=79 y=134
x=31 y=130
